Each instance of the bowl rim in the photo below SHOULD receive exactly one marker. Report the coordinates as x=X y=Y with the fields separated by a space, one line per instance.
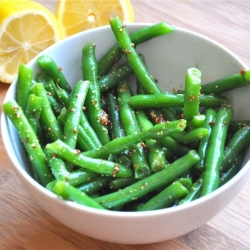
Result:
x=17 y=167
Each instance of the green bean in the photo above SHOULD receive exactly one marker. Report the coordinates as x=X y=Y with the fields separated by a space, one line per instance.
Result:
x=33 y=112
x=123 y=158
x=46 y=80
x=186 y=181
x=80 y=176
x=74 y=112
x=133 y=57
x=197 y=121
x=127 y=115
x=77 y=177
x=118 y=183
x=89 y=139
x=57 y=166
x=150 y=183
x=131 y=127
x=121 y=144
x=63 y=96
x=177 y=142
x=169 y=155
x=193 y=135
x=237 y=143
x=110 y=80
x=48 y=118
x=113 y=55
x=172 y=100
x=210 y=119
x=29 y=140
x=179 y=149
x=116 y=130
x=97 y=116
x=95 y=185
x=86 y=128
x=215 y=150
x=191 y=97
x=25 y=76
x=235 y=125
x=50 y=67
x=56 y=107
x=59 y=169
x=194 y=192
x=166 y=197
x=84 y=139
x=156 y=157
x=49 y=85
x=232 y=170
x=89 y=133
x=192 y=93
x=84 y=142
x=77 y=158
x=139 y=162
x=51 y=89
x=67 y=192
x=61 y=118
x=51 y=185
x=227 y=83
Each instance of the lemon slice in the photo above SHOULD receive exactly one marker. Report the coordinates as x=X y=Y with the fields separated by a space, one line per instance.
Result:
x=26 y=28
x=76 y=16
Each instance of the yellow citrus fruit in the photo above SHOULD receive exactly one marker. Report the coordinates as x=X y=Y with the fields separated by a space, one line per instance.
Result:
x=76 y=16
x=26 y=28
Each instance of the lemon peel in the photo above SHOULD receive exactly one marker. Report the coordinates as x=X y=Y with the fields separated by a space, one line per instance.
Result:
x=26 y=28
x=76 y=16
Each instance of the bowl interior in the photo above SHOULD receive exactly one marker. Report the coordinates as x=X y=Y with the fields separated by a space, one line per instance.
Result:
x=167 y=58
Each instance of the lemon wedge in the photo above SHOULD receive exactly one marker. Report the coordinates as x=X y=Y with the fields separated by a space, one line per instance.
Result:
x=26 y=28
x=76 y=16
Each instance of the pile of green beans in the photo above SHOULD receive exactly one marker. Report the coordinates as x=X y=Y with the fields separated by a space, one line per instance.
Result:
x=104 y=145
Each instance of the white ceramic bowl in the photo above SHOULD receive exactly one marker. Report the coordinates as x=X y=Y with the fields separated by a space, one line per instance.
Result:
x=167 y=58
